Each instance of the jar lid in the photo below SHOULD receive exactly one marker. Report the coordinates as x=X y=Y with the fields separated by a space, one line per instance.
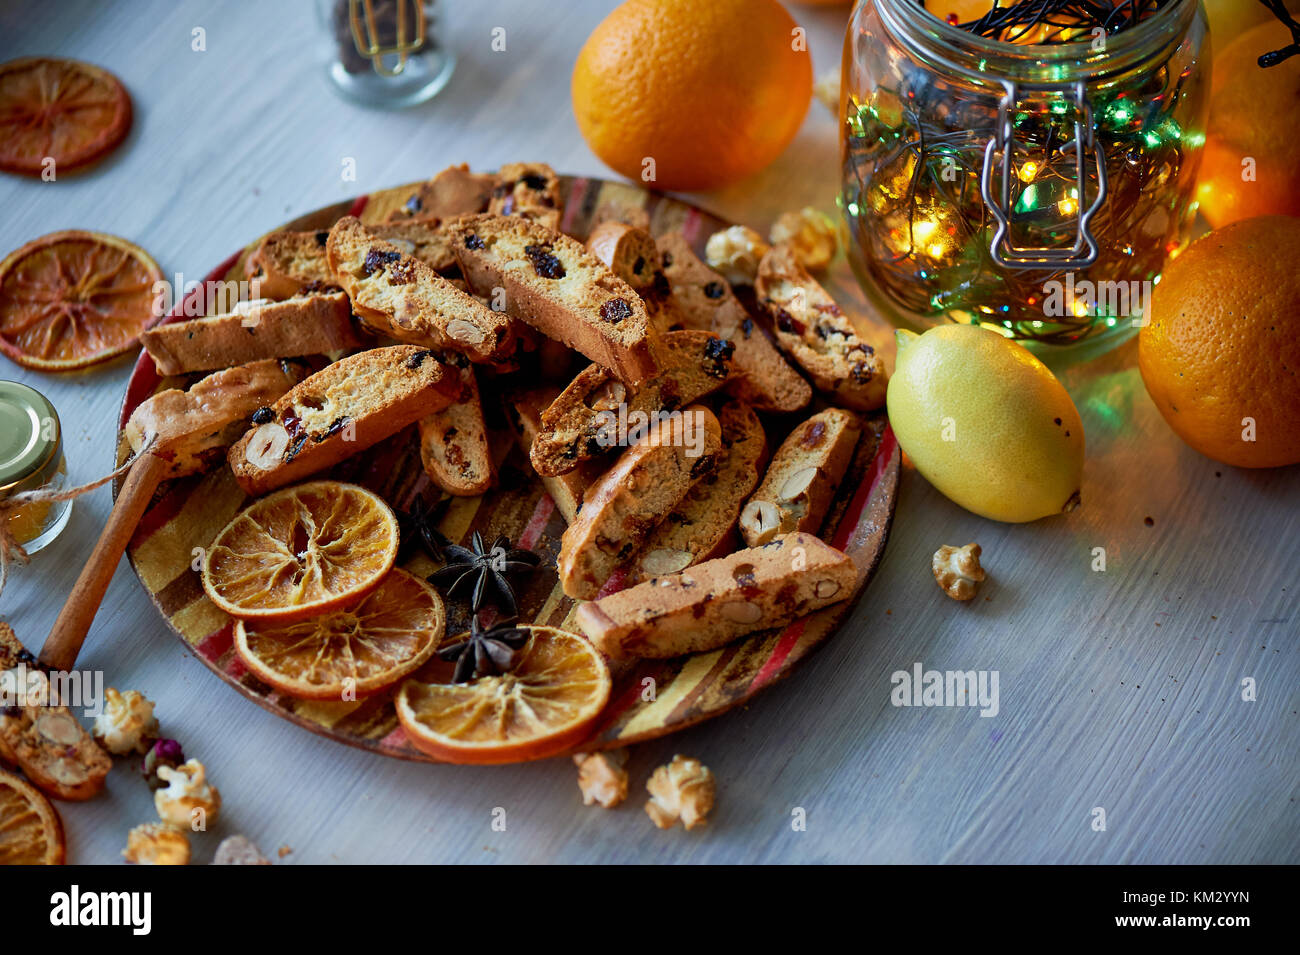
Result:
x=31 y=438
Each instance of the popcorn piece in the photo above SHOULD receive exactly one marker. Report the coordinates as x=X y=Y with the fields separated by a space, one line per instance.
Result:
x=684 y=790
x=735 y=252
x=187 y=790
x=157 y=843
x=811 y=236
x=827 y=90
x=127 y=724
x=238 y=850
x=958 y=570
x=602 y=778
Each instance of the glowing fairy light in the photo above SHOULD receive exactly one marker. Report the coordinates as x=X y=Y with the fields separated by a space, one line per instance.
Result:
x=1028 y=171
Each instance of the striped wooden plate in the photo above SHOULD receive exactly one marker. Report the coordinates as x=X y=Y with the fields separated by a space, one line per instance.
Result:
x=650 y=698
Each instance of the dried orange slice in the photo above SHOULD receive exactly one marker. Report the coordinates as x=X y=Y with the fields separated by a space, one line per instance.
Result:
x=30 y=830
x=65 y=110
x=301 y=552
x=348 y=654
x=545 y=704
x=71 y=299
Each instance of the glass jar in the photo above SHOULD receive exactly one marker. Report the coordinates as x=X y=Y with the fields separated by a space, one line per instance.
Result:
x=385 y=52
x=31 y=458
x=1036 y=189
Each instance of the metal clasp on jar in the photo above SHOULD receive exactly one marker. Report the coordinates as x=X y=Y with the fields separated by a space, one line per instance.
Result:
x=1004 y=253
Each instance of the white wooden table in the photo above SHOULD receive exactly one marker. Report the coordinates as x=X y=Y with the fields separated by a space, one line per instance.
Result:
x=1119 y=689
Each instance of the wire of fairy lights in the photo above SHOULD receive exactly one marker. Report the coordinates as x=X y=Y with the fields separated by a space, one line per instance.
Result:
x=1058 y=21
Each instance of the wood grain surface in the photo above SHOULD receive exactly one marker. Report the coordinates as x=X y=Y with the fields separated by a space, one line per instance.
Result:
x=1119 y=689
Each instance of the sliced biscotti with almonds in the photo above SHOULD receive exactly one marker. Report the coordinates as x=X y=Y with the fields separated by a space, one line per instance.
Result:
x=340 y=411
x=55 y=752
x=711 y=604
x=554 y=284
x=584 y=421
x=530 y=190
x=649 y=479
x=705 y=300
x=817 y=334
x=454 y=441
x=429 y=240
x=453 y=192
x=303 y=325
x=634 y=257
x=702 y=525
x=398 y=295
x=284 y=263
x=524 y=412
x=801 y=480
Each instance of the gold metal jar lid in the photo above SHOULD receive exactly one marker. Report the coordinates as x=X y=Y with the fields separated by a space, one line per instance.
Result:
x=31 y=439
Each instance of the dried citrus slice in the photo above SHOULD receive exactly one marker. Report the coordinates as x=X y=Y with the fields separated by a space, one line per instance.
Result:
x=65 y=110
x=30 y=830
x=71 y=299
x=545 y=704
x=348 y=654
x=300 y=552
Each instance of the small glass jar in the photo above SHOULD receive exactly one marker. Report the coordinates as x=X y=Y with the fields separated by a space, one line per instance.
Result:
x=31 y=458
x=385 y=52
x=1036 y=189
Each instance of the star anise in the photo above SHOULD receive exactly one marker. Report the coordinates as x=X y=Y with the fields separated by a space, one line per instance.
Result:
x=486 y=569
x=484 y=652
x=416 y=526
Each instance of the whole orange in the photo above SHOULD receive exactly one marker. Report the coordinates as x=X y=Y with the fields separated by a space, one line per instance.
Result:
x=1221 y=354
x=686 y=95
x=1251 y=163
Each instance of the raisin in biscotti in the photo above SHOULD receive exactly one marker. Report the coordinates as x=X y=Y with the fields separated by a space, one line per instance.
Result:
x=398 y=295
x=709 y=605
x=454 y=441
x=524 y=411
x=54 y=751
x=649 y=479
x=816 y=333
x=284 y=263
x=800 y=482
x=530 y=190
x=453 y=192
x=633 y=256
x=305 y=325
x=428 y=240
x=340 y=411
x=575 y=427
x=554 y=284
x=702 y=525
x=763 y=377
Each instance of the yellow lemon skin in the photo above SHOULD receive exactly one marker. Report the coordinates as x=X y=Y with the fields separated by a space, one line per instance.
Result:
x=986 y=423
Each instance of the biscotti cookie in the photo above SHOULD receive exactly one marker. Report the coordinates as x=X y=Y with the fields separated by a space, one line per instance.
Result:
x=763 y=378
x=524 y=412
x=306 y=325
x=340 y=411
x=453 y=192
x=649 y=479
x=286 y=262
x=588 y=414
x=530 y=190
x=709 y=605
x=814 y=331
x=428 y=240
x=554 y=284
x=454 y=441
x=633 y=256
x=12 y=651
x=702 y=525
x=54 y=751
x=801 y=480
x=195 y=427
x=399 y=296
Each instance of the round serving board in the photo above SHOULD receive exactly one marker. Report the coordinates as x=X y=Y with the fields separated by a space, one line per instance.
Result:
x=650 y=697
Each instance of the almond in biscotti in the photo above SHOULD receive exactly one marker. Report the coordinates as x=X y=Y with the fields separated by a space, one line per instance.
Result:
x=817 y=334
x=54 y=751
x=801 y=480
x=554 y=284
x=692 y=364
x=454 y=441
x=702 y=525
x=340 y=411
x=397 y=295
x=524 y=412
x=453 y=192
x=530 y=190
x=647 y=481
x=429 y=240
x=763 y=378
x=634 y=257
x=711 y=604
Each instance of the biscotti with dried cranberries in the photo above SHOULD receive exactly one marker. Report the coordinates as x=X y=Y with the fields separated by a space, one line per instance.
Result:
x=454 y=444
x=557 y=286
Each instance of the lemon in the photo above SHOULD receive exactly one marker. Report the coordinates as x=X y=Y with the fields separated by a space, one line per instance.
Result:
x=986 y=423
